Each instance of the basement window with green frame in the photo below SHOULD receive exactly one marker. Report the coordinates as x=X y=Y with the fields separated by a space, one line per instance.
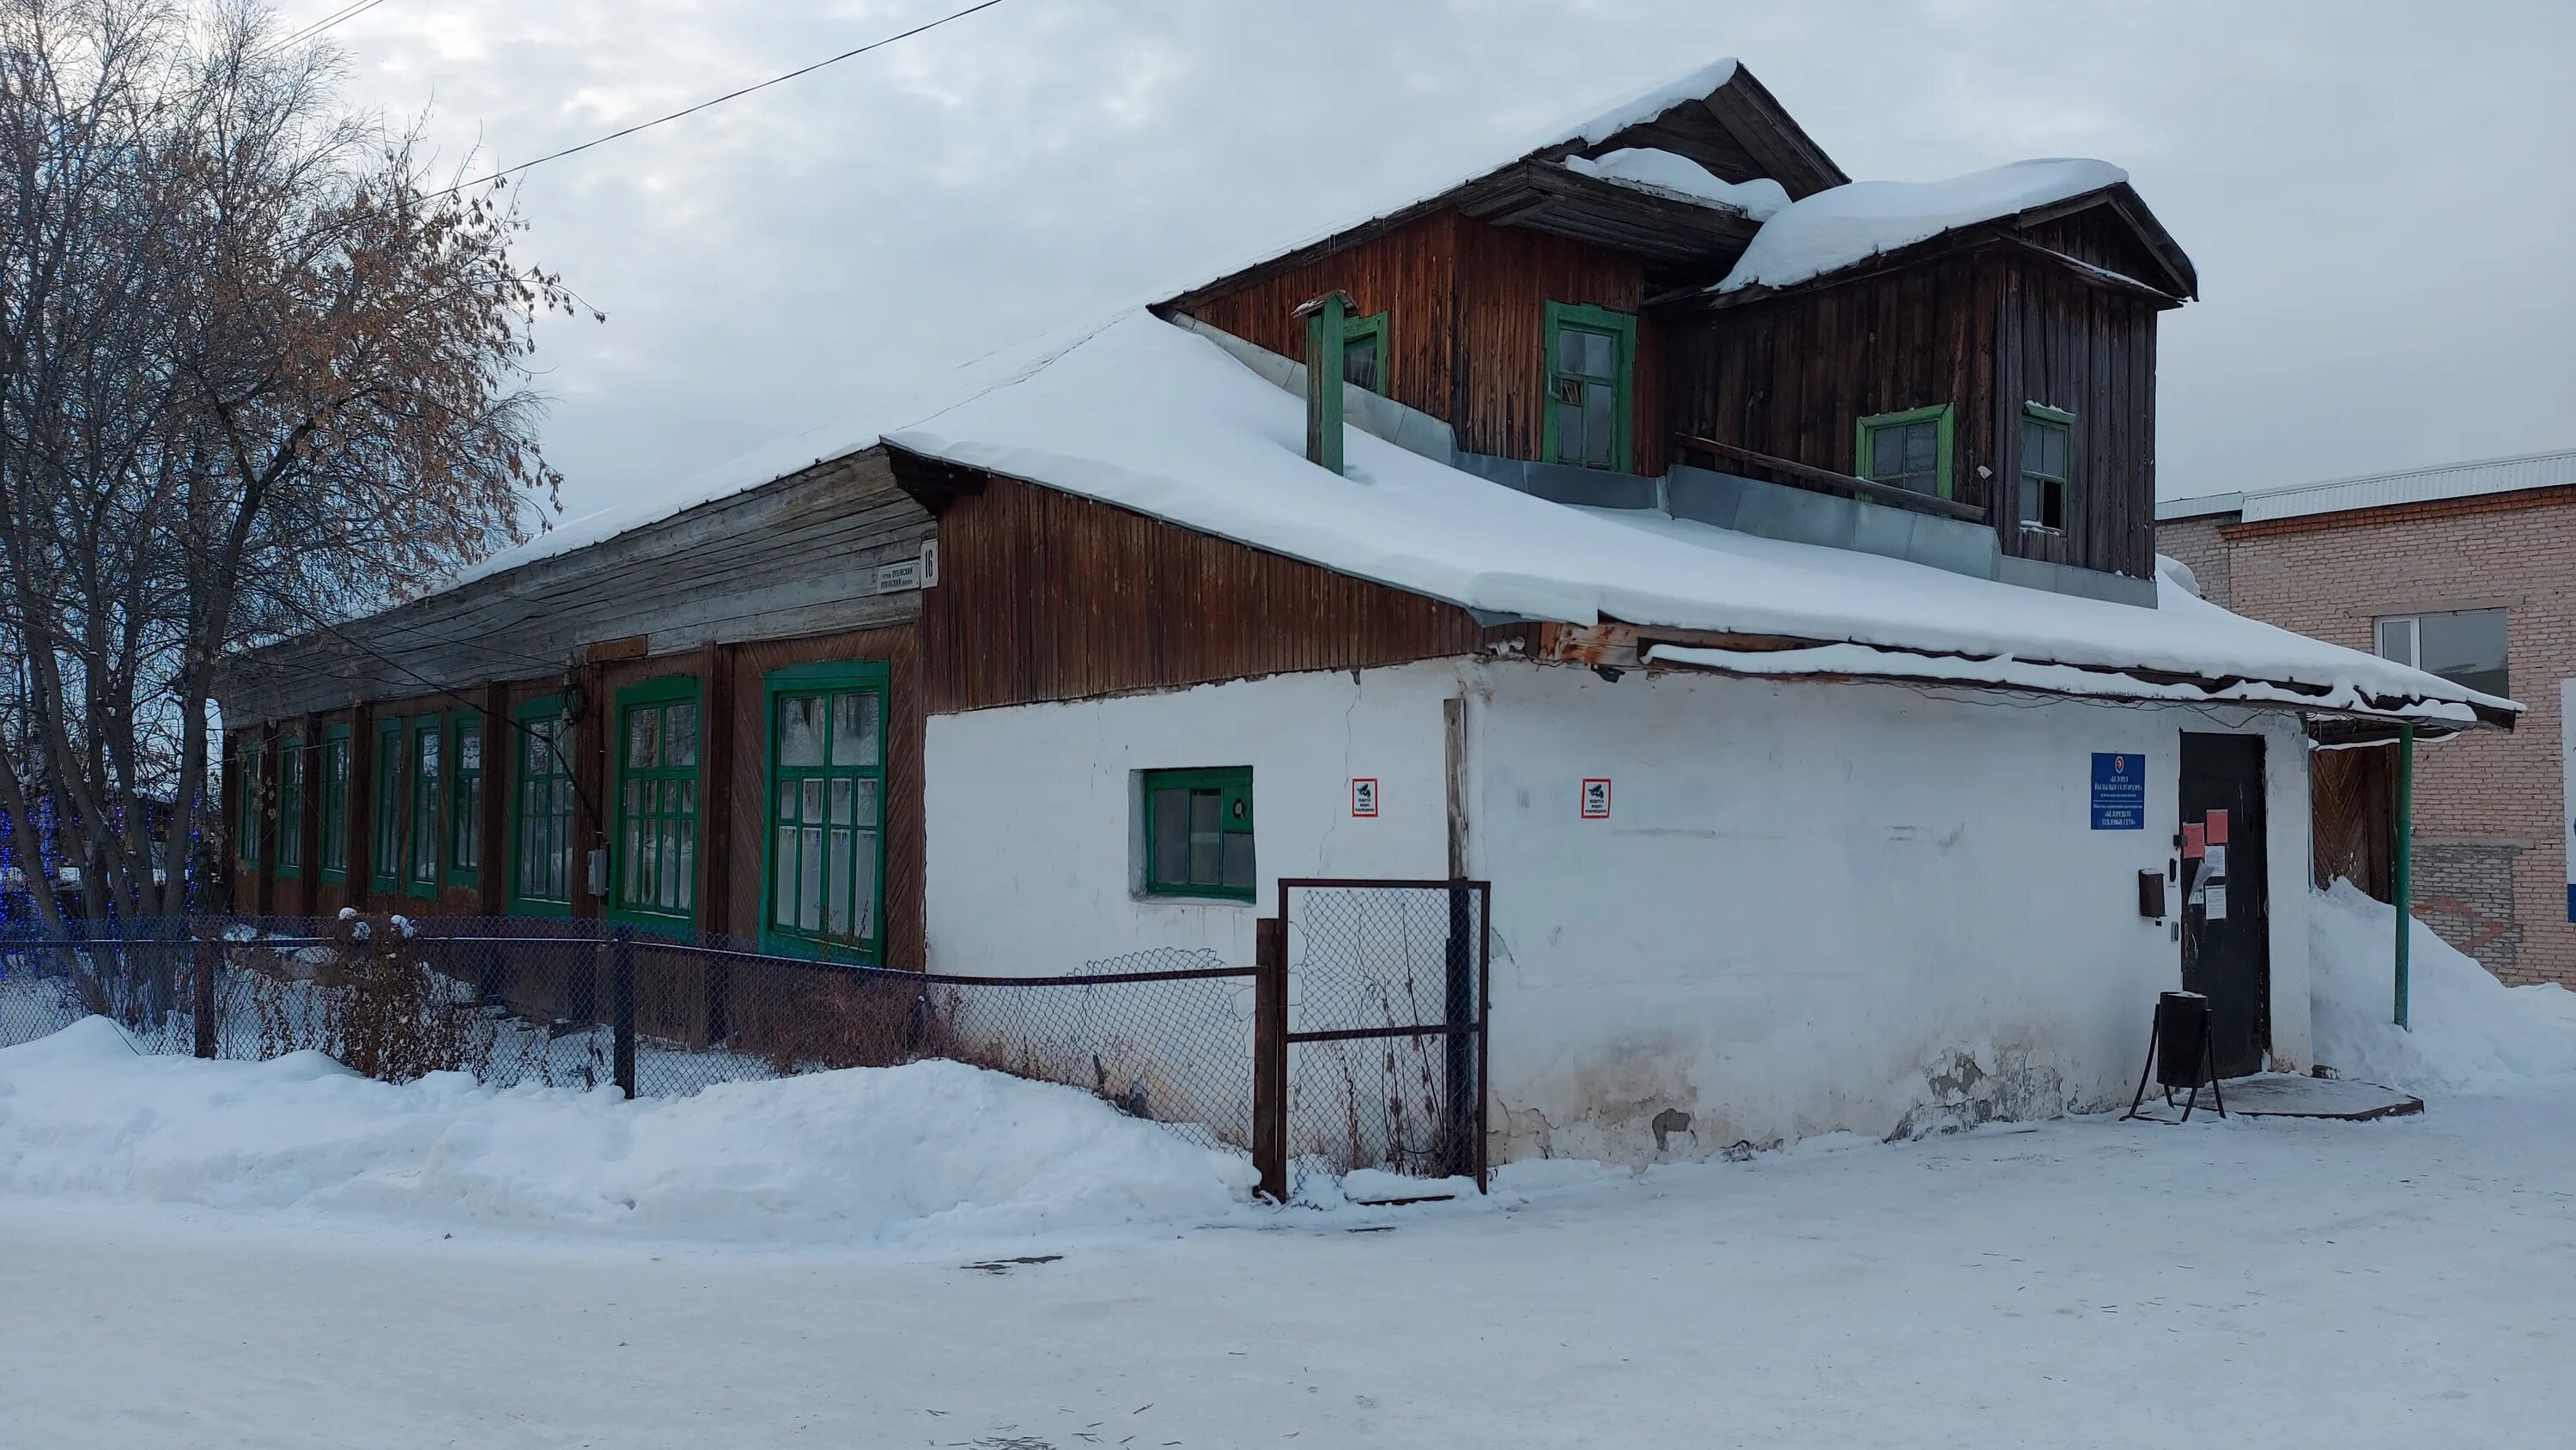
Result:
x=2047 y=467
x=541 y=830
x=384 y=861
x=428 y=777
x=246 y=826
x=465 y=800
x=1910 y=450
x=825 y=848
x=333 y=779
x=1364 y=352
x=1591 y=367
x=1198 y=833
x=290 y=806
x=656 y=870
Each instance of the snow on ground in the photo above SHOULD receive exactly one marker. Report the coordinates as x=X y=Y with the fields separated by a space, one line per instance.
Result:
x=2089 y=1283
x=933 y=1152
x=2464 y=1028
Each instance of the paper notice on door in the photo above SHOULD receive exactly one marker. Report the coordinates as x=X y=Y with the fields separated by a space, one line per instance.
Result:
x=2213 y=902
x=2217 y=859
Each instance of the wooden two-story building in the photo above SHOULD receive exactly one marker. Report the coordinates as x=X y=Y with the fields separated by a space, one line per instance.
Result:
x=1749 y=571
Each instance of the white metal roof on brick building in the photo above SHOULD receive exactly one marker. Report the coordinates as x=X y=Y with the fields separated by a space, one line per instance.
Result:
x=2381 y=490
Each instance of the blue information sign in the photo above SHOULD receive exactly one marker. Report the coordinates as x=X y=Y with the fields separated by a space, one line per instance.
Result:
x=2119 y=791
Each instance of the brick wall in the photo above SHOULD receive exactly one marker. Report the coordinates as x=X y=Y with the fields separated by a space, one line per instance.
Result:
x=2196 y=544
x=2490 y=848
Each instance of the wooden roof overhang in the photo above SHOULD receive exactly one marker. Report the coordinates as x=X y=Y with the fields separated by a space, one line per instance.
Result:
x=1612 y=645
x=1738 y=132
x=2174 y=282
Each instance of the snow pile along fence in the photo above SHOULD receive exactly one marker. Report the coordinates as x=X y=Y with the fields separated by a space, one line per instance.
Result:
x=580 y=1004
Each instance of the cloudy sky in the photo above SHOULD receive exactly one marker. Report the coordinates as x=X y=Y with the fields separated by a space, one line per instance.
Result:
x=2379 y=196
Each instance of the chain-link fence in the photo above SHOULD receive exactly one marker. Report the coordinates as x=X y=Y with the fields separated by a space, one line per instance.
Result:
x=1161 y=1035
x=1385 y=1019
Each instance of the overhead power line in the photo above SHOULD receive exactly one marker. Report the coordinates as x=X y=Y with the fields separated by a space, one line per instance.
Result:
x=719 y=100
x=350 y=11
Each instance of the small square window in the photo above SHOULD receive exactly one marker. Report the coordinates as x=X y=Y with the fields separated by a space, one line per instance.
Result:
x=1910 y=450
x=1198 y=833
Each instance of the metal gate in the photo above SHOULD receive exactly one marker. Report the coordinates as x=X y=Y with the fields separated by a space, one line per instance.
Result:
x=1375 y=995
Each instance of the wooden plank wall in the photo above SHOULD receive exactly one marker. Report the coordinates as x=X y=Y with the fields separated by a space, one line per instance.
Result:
x=2091 y=351
x=1794 y=375
x=1466 y=306
x=1498 y=390
x=1410 y=274
x=1045 y=596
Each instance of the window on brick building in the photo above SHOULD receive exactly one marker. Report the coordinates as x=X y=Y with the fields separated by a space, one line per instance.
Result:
x=2466 y=647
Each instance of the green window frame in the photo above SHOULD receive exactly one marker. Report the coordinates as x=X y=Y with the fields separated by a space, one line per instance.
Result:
x=385 y=860
x=653 y=870
x=1194 y=822
x=823 y=854
x=291 y=766
x=1901 y=434
x=1591 y=376
x=465 y=799
x=333 y=787
x=2047 y=483
x=428 y=763
x=246 y=760
x=541 y=810
x=1364 y=355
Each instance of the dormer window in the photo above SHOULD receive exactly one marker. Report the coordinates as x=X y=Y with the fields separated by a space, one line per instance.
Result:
x=2047 y=467
x=1910 y=450
x=1364 y=352
x=1592 y=355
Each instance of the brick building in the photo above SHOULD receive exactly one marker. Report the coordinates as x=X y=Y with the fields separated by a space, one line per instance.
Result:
x=2470 y=571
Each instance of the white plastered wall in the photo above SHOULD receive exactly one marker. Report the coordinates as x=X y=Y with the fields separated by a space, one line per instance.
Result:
x=1816 y=907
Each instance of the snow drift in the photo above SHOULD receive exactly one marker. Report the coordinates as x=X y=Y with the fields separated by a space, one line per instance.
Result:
x=929 y=1153
x=2468 y=1030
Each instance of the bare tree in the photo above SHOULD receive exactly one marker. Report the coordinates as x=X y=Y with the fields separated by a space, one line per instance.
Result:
x=257 y=371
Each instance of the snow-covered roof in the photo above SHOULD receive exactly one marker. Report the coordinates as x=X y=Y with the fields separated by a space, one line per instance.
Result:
x=1848 y=224
x=1150 y=417
x=1664 y=173
x=2381 y=490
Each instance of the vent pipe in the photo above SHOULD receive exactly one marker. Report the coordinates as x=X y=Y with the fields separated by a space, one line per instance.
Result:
x=1328 y=321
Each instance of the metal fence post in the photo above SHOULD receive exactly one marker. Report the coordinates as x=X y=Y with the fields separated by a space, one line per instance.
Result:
x=202 y=995
x=1461 y=1091
x=621 y=997
x=1270 y=1055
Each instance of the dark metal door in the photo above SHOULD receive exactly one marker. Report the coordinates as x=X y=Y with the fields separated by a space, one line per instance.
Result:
x=2226 y=900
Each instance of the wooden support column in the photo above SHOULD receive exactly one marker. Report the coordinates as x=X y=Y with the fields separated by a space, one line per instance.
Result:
x=362 y=802
x=500 y=753
x=269 y=743
x=308 y=820
x=590 y=747
x=715 y=787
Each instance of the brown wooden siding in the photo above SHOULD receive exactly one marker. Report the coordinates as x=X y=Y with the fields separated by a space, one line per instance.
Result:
x=1498 y=389
x=1793 y=375
x=1045 y=596
x=1466 y=306
x=2090 y=351
x=1410 y=274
